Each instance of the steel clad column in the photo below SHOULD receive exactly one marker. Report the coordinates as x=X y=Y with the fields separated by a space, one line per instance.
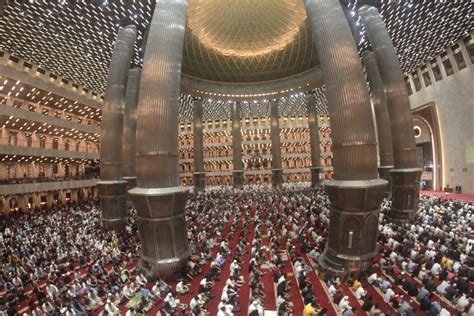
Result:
x=112 y=188
x=199 y=174
x=130 y=128
x=277 y=171
x=406 y=176
x=356 y=191
x=158 y=197
x=238 y=171
x=314 y=145
x=382 y=118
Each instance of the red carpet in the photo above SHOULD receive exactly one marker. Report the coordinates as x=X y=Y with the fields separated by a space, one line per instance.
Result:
x=294 y=291
x=352 y=299
x=269 y=303
x=319 y=292
x=244 y=291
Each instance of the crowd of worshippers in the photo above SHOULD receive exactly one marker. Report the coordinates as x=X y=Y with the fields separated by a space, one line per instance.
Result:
x=63 y=261
x=430 y=259
x=60 y=260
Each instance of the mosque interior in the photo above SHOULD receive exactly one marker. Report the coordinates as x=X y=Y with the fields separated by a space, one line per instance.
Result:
x=144 y=103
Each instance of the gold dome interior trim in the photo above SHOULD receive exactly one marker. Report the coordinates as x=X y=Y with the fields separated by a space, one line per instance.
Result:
x=247 y=40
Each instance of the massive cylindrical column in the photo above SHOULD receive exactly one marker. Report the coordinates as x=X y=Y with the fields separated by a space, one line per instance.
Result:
x=158 y=197
x=356 y=191
x=238 y=172
x=382 y=119
x=111 y=186
x=130 y=128
x=313 y=139
x=199 y=174
x=405 y=176
x=277 y=171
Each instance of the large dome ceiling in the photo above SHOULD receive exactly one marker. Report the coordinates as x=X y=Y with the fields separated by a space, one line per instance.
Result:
x=229 y=42
x=247 y=40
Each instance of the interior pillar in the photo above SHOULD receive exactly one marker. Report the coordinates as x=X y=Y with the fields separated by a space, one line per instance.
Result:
x=130 y=128
x=314 y=142
x=382 y=119
x=405 y=175
x=356 y=191
x=158 y=197
x=199 y=173
x=277 y=171
x=238 y=172
x=112 y=187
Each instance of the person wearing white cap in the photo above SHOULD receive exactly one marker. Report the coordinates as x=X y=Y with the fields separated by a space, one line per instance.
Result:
x=182 y=288
x=360 y=293
x=344 y=304
x=389 y=294
x=111 y=308
x=372 y=278
x=256 y=308
x=462 y=303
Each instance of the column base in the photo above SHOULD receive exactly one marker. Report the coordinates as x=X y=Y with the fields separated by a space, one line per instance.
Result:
x=131 y=183
x=384 y=173
x=277 y=177
x=405 y=194
x=315 y=173
x=342 y=266
x=165 y=269
x=353 y=226
x=238 y=176
x=162 y=229
x=113 y=203
x=199 y=179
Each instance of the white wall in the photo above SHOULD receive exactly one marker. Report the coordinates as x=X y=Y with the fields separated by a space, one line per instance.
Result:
x=454 y=99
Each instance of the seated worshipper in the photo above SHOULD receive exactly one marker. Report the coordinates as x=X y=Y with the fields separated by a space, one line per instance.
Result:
x=220 y=260
x=111 y=308
x=129 y=290
x=205 y=286
x=356 y=285
x=161 y=288
x=331 y=290
x=48 y=308
x=182 y=288
x=229 y=308
x=255 y=308
x=222 y=311
x=197 y=304
x=372 y=278
x=360 y=293
x=309 y=310
x=389 y=295
x=52 y=290
x=170 y=304
x=462 y=303
x=141 y=280
x=144 y=305
x=285 y=309
x=344 y=304
x=441 y=289
x=350 y=312
x=404 y=308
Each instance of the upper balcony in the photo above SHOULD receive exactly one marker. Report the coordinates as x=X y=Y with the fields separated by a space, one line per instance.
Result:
x=21 y=70
x=10 y=147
